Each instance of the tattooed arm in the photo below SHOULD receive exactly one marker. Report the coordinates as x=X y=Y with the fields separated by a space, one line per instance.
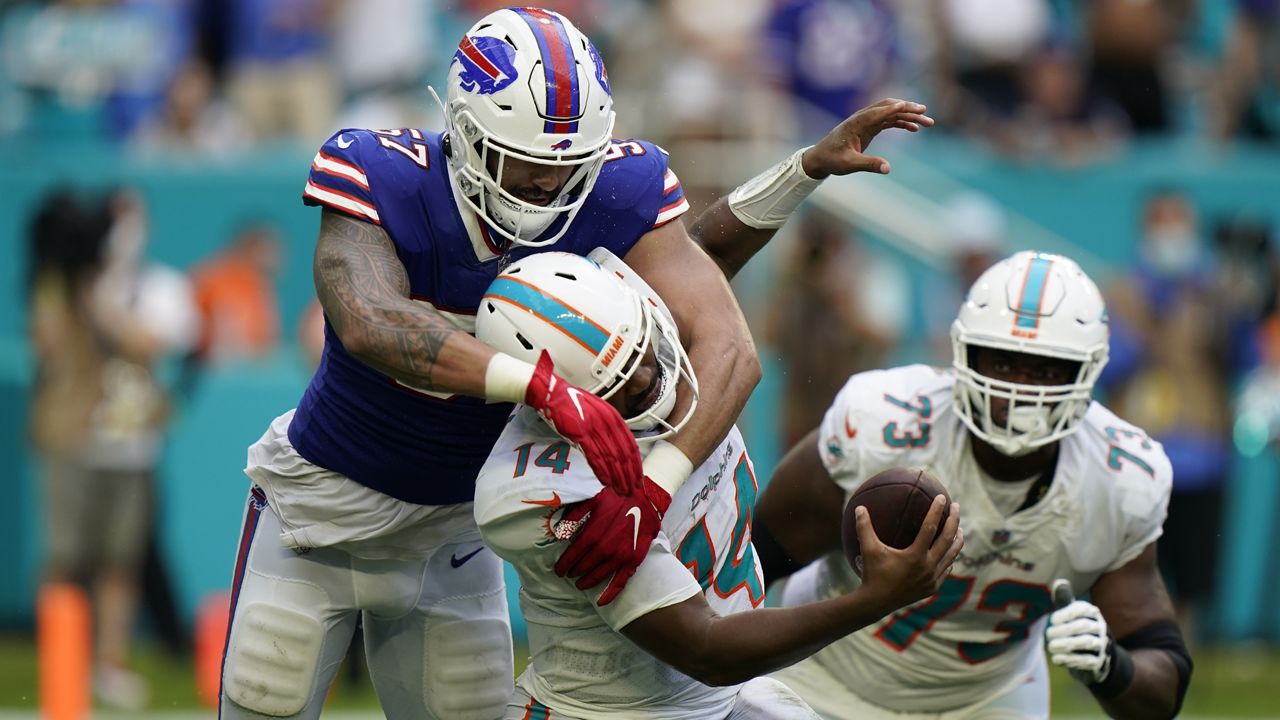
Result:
x=364 y=290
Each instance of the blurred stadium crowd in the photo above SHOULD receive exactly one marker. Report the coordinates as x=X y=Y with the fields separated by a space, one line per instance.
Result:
x=1051 y=80
x=1064 y=83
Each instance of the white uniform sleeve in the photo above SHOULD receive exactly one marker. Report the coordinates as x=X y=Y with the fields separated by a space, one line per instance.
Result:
x=661 y=580
x=842 y=434
x=520 y=538
x=1144 y=504
x=517 y=516
x=1124 y=483
x=881 y=419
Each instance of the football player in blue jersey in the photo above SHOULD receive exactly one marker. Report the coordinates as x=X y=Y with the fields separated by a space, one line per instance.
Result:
x=361 y=497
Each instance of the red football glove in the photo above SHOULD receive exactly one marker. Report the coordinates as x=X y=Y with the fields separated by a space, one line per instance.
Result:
x=590 y=423
x=614 y=539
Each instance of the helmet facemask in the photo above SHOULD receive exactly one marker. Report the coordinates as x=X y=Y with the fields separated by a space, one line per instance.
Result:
x=1037 y=305
x=480 y=163
x=672 y=367
x=1037 y=415
x=526 y=85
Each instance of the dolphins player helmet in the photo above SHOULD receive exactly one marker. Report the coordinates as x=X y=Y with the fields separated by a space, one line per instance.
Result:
x=596 y=327
x=1038 y=304
x=525 y=84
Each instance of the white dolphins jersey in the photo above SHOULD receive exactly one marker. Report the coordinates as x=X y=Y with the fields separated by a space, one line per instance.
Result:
x=580 y=666
x=1106 y=503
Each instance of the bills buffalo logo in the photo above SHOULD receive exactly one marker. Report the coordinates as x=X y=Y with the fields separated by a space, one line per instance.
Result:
x=488 y=64
x=602 y=75
x=562 y=145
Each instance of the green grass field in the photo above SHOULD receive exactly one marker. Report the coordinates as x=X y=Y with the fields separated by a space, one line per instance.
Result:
x=1227 y=684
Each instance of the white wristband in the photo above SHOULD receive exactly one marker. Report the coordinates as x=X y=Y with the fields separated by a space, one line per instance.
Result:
x=768 y=199
x=506 y=379
x=667 y=466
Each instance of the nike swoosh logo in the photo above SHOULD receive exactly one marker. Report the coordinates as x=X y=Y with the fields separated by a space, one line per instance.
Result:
x=457 y=562
x=554 y=502
x=634 y=513
x=573 y=395
x=850 y=430
x=344 y=143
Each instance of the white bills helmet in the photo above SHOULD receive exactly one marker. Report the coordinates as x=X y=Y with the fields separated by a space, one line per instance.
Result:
x=1038 y=304
x=596 y=328
x=525 y=84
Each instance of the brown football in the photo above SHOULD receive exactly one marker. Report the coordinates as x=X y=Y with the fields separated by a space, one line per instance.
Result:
x=898 y=500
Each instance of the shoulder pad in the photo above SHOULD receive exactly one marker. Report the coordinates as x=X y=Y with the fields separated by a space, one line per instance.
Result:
x=882 y=418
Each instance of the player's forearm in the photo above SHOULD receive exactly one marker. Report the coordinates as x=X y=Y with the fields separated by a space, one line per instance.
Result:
x=1152 y=694
x=738 y=225
x=735 y=648
x=405 y=343
x=728 y=369
x=729 y=241
x=364 y=290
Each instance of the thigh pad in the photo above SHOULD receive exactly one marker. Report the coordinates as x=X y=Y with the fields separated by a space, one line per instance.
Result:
x=272 y=656
x=471 y=668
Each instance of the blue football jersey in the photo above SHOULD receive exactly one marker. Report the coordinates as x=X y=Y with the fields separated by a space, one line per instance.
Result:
x=413 y=444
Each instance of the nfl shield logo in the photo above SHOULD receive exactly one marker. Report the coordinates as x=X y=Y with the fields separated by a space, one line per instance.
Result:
x=1000 y=537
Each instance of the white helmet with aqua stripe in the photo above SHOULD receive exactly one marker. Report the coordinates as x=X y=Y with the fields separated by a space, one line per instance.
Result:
x=1038 y=304
x=599 y=330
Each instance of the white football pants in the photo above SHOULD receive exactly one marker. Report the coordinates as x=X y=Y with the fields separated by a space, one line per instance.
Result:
x=761 y=698
x=1024 y=698
x=436 y=629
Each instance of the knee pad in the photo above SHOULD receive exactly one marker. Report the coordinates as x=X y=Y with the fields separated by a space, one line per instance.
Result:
x=272 y=656
x=469 y=669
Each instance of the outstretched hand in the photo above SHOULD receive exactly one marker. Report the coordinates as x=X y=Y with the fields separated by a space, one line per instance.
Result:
x=843 y=150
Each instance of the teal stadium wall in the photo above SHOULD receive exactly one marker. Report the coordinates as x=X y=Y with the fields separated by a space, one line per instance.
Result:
x=201 y=488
